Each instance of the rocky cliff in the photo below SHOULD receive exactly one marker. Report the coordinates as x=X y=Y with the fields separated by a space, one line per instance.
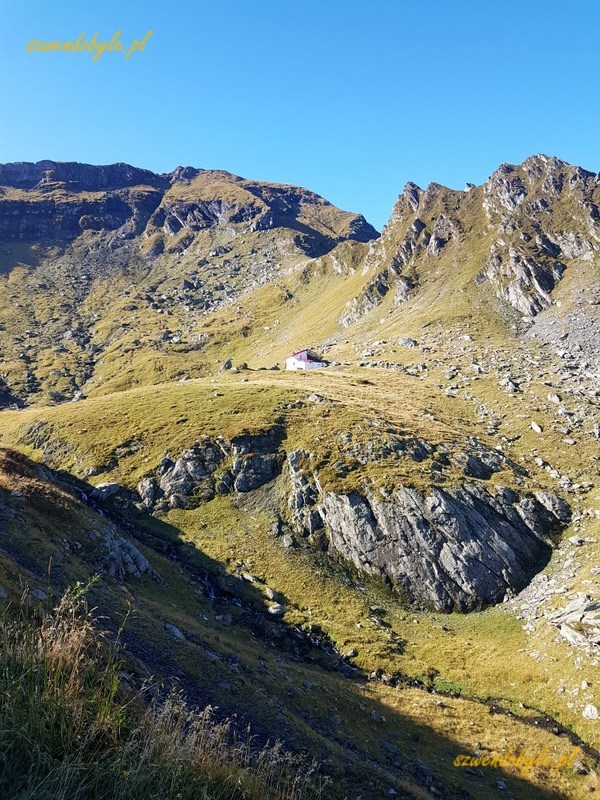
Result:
x=56 y=202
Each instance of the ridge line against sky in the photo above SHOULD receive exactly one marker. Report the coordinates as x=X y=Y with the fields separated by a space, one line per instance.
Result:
x=347 y=99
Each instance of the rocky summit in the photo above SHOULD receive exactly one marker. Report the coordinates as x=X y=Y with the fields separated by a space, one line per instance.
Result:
x=384 y=562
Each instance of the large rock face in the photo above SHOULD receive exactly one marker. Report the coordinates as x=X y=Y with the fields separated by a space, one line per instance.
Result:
x=447 y=549
x=243 y=464
x=58 y=201
x=450 y=550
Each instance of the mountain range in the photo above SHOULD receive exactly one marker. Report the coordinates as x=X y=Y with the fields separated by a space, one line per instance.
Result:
x=384 y=563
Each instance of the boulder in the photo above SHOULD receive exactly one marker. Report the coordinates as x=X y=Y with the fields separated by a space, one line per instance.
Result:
x=174 y=631
x=104 y=490
x=188 y=481
x=579 y=621
x=149 y=491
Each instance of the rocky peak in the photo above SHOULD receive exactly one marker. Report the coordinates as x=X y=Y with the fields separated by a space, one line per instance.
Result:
x=180 y=174
x=534 y=218
x=411 y=194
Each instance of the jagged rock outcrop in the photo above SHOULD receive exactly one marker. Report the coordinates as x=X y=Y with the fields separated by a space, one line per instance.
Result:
x=533 y=220
x=579 y=621
x=447 y=548
x=122 y=558
x=450 y=550
x=402 y=253
x=304 y=496
x=52 y=200
x=243 y=464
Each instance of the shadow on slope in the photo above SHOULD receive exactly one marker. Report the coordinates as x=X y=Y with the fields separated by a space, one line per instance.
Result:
x=193 y=626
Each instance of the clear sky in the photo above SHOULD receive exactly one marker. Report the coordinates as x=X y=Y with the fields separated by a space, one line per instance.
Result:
x=351 y=99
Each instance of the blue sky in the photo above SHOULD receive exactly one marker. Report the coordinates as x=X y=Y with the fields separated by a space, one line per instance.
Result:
x=351 y=99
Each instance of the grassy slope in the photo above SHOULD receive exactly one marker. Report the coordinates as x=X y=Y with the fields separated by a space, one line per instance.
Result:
x=72 y=728
x=282 y=695
x=470 y=653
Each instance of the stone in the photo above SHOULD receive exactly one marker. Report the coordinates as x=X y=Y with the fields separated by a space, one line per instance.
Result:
x=535 y=427
x=579 y=621
x=254 y=470
x=287 y=540
x=174 y=631
x=3 y=593
x=104 y=490
x=122 y=558
x=277 y=610
x=148 y=491
x=387 y=746
x=186 y=482
x=454 y=550
x=590 y=712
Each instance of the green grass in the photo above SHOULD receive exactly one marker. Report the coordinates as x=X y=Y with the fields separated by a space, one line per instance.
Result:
x=71 y=730
x=283 y=695
x=467 y=651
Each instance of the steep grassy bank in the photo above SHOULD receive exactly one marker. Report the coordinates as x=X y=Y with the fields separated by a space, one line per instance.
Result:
x=71 y=728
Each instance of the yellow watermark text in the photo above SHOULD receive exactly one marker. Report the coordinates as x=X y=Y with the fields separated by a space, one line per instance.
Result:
x=94 y=46
x=521 y=760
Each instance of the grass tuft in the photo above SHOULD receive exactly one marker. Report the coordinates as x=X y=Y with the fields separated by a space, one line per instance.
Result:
x=70 y=729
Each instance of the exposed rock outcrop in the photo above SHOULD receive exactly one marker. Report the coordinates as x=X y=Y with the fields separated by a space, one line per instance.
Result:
x=243 y=464
x=304 y=496
x=52 y=200
x=447 y=548
x=122 y=557
x=451 y=550
x=579 y=621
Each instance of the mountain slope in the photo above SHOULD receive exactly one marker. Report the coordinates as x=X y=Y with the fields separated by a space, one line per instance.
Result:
x=191 y=623
x=516 y=237
x=446 y=461
x=98 y=259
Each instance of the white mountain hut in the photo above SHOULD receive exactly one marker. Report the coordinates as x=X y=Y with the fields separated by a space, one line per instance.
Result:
x=304 y=359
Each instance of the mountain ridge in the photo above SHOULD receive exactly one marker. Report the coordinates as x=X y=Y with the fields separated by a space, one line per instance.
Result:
x=420 y=517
